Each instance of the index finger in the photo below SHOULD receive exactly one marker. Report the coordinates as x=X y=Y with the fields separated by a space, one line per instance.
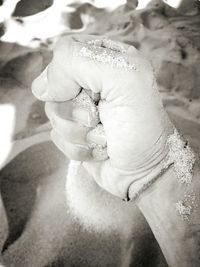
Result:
x=80 y=61
x=55 y=83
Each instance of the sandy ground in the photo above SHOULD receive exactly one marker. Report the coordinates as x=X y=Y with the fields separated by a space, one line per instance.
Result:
x=39 y=231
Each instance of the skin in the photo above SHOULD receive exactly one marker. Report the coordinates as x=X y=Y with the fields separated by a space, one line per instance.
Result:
x=179 y=239
x=136 y=128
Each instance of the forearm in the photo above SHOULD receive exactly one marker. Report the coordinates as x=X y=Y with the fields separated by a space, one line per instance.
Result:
x=178 y=237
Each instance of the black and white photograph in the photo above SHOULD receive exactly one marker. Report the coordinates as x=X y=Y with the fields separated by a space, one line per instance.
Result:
x=99 y=133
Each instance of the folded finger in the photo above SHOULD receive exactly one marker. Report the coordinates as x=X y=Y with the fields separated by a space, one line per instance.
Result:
x=70 y=130
x=97 y=136
x=81 y=62
x=72 y=151
x=56 y=83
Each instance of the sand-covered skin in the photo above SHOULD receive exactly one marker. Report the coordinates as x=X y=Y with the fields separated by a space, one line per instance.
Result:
x=41 y=233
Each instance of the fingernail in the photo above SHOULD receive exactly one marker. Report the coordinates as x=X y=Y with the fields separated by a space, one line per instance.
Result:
x=84 y=101
x=97 y=136
x=93 y=118
x=85 y=117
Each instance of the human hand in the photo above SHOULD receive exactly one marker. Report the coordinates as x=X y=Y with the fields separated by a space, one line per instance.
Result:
x=135 y=123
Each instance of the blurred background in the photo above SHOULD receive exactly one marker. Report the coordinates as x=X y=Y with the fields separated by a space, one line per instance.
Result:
x=167 y=32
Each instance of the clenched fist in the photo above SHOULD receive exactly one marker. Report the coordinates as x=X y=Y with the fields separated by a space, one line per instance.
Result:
x=130 y=110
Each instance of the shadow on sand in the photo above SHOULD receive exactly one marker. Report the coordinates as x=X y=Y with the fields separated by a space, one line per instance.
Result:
x=41 y=231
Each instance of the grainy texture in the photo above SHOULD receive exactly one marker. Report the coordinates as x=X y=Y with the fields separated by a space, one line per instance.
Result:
x=33 y=189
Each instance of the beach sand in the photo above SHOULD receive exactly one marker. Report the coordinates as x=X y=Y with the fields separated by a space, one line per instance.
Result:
x=36 y=228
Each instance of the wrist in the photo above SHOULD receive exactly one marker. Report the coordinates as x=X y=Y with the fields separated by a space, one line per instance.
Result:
x=177 y=235
x=174 y=151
